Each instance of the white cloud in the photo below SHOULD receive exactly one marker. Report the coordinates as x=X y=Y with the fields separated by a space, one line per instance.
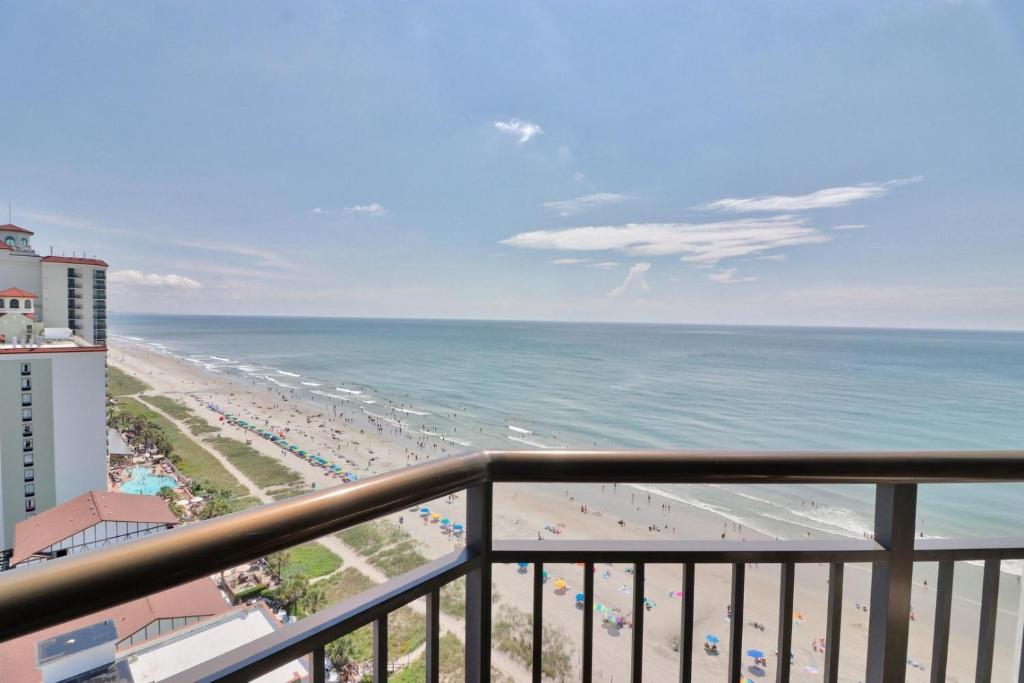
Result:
x=569 y=207
x=827 y=198
x=728 y=277
x=849 y=226
x=136 y=278
x=569 y=261
x=634 y=280
x=605 y=265
x=524 y=130
x=317 y=211
x=771 y=257
x=373 y=209
x=701 y=243
x=578 y=176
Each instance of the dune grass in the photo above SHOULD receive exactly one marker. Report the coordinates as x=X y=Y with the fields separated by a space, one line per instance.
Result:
x=179 y=411
x=386 y=546
x=310 y=560
x=120 y=383
x=264 y=471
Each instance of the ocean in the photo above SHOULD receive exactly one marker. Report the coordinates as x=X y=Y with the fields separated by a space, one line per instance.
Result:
x=490 y=384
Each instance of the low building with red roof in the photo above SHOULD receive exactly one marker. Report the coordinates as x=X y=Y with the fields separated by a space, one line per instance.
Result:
x=92 y=520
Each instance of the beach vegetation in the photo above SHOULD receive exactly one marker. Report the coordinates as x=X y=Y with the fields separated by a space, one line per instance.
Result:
x=386 y=546
x=262 y=470
x=512 y=633
x=451 y=663
x=453 y=598
x=309 y=559
x=120 y=383
x=179 y=411
x=287 y=492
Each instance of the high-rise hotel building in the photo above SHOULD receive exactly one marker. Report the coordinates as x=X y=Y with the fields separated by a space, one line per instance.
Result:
x=53 y=331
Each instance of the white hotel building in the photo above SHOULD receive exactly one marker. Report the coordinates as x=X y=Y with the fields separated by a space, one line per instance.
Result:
x=52 y=379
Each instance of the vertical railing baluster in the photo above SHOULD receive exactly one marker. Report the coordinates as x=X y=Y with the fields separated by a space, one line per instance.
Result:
x=943 y=614
x=834 y=621
x=736 y=621
x=891 y=583
x=479 y=510
x=786 y=581
x=637 y=663
x=987 y=628
x=380 y=649
x=538 y=622
x=433 y=651
x=686 y=626
x=319 y=673
x=588 y=622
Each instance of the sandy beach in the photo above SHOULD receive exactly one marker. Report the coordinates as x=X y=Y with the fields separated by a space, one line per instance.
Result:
x=370 y=445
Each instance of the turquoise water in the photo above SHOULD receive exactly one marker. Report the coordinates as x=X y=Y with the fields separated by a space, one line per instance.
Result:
x=525 y=384
x=143 y=481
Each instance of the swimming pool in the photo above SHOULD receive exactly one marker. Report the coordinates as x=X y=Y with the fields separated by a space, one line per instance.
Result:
x=143 y=481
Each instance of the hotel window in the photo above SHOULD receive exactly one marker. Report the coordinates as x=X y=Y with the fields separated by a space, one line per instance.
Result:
x=30 y=504
x=26 y=414
x=26 y=445
x=30 y=474
x=26 y=429
x=28 y=459
x=26 y=399
x=26 y=384
x=9 y=241
x=15 y=303
x=1 y=303
x=26 y=368
x=30 y=490
x=28 y=303
x=24 y=243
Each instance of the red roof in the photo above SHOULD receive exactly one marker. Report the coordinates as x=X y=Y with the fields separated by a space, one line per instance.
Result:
x=74 y=259
x=200 y=598
x=78 y=514
x=4 y=245
x=11 y=227
x=19 y=293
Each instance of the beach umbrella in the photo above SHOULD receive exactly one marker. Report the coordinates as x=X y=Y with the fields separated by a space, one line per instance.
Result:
x=580 y=597
x=560 y=584
x=435 y=516
x=457 y=527
x=522 y=565
x=446 y=521
x=424 y=511
x=711 y=638
x=756 y=654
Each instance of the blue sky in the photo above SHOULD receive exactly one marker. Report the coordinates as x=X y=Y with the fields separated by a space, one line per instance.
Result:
x=838 y=163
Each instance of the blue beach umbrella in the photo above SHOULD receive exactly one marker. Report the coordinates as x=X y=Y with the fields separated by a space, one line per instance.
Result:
x=523 y=565
x=756 y=654
x=711 y=638
x=580 y=597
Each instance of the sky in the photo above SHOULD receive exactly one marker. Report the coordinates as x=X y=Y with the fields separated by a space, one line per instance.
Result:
x=778 y=163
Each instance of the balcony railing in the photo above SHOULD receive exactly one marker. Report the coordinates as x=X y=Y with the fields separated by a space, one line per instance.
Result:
x=53 y=592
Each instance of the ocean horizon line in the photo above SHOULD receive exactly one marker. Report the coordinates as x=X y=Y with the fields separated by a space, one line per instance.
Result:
x=610 y=323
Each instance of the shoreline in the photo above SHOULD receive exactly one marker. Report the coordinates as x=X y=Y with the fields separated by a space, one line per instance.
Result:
x=521 y=511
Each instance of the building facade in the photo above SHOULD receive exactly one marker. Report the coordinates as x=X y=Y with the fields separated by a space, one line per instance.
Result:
x=52 y=379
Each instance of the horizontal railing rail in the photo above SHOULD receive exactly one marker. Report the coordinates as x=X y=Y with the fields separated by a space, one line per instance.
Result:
x=56 y=591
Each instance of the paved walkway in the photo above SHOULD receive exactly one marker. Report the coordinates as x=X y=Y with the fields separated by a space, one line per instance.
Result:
x=349 y=557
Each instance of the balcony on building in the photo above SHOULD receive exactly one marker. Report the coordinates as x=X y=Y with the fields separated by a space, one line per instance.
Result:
x=53 y=592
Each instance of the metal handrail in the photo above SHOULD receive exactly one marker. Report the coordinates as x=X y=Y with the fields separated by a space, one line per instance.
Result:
x=58 y=590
